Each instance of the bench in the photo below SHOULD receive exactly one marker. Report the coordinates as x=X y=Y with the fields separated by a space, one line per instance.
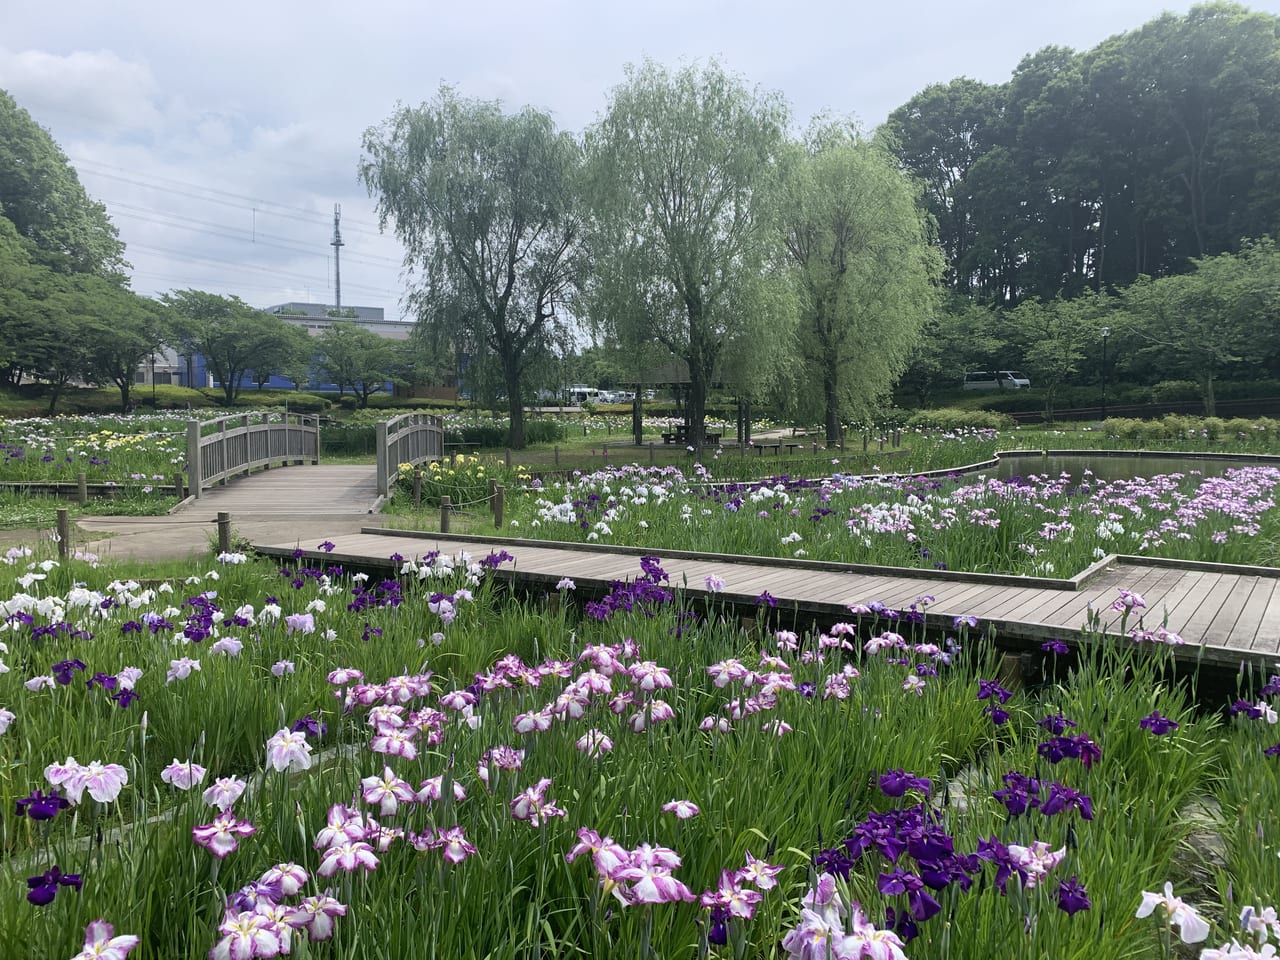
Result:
x=777 y=447
x=681 y=435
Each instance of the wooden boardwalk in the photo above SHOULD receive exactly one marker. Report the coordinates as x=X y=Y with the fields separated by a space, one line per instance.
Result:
x=321 y=490
x=1225 y=613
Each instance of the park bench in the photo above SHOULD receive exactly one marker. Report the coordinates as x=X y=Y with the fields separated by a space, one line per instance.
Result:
x=680 y=435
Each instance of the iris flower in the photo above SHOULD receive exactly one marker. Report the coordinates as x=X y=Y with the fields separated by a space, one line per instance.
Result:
x=1191 y=927
x=100 y=943
x=222 y=836
x=42 y=888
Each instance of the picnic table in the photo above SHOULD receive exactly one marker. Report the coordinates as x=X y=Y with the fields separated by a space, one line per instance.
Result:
x=680 y=435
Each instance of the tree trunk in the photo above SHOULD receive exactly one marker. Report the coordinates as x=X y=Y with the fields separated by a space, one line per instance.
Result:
x=637 y=416
x=124 y=386
x=511 y=376
x=1206 y=390
x=831 y=400
x=695 y=409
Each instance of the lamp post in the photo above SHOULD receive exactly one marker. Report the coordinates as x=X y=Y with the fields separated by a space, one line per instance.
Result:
x=1106 y=334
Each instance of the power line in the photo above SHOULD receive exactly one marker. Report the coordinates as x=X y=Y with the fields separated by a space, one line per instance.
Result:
x=302 y=278
x=248 y=202
x=226 y=232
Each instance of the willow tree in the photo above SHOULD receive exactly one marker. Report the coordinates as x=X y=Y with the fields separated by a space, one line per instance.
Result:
x=680 y=171
x=484 y=203
x=866 y=271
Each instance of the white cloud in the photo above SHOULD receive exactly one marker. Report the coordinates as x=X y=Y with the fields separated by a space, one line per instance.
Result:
x=83 y=90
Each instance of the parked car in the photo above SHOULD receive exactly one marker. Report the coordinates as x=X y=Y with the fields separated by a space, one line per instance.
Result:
x=995 y=380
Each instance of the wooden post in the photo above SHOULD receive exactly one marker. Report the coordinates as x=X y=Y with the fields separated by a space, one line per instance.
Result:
x=882 y=441
x=64 y=533
x=224 y=532
x=556 y=454
x=82 y=489
x=417 y=488
x=499 y=502
x=493 y=495
x=651 y=453
x=865 y=440
x=444 y=514
x=508 y=458
x=604 y=451
x=815 y=448
x=178 y=487
x=194 y=479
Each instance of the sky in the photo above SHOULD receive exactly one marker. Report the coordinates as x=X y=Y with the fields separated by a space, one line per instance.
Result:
x=221 y=135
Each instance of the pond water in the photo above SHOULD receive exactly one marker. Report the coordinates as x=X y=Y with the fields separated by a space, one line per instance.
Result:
x=1113 y=467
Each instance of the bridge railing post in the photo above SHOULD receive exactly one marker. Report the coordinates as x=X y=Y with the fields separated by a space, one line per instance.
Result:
x=383 y=455
x=194 y=480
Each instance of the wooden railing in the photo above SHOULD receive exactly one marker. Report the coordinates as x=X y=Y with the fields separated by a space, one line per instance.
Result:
x=411 y=438
x=233 y=446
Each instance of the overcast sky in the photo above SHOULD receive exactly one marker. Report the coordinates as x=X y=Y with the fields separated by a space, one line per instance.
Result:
x=220 y=135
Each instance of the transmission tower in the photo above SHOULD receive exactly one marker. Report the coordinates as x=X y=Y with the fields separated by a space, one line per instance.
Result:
x=336 y=243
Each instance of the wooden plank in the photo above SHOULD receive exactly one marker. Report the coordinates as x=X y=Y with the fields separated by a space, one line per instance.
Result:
x=1231 y=612
x=1267 y=639
x=1180 y=617
x=1222 y=629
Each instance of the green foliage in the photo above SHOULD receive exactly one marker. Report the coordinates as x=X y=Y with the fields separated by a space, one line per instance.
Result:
x=41 y=196
x=486 y=207
x=544 y=430
x=356 y=358
x=948 y=418
x=679 y=174
x=1087 y=170
x=864 y=267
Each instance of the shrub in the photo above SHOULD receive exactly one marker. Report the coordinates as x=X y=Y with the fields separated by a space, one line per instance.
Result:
x=1174 y=391
x=949 y=418
x=544 y=431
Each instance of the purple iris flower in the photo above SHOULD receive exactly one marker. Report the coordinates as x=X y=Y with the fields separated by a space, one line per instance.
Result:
x=42 y=806
x=42 y=888
x=895 y=783
x=807 y=689
x=1064 y=798
x=1055 y=647
x=1055 y=723
x=1157 y=725
x=991 y=689
x=1021 y=793
x=311 y=725
x=998 y=714
x=1072 y=897
x=64 y=671
x=104 y=680
x=1272 y=751
x=1252 y=711
x=766 y=599
x=124 y=698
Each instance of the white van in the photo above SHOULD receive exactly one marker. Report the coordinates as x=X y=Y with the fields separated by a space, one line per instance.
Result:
x=995 y=380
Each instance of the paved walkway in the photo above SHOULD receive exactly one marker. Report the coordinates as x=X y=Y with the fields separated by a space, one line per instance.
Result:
x=272 y=506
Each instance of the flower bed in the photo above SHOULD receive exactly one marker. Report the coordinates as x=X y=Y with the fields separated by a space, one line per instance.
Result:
x=1034 y=525
x=249 y=761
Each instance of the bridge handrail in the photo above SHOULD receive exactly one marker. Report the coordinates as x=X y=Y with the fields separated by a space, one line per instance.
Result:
x=236 y=444
x=409 y=438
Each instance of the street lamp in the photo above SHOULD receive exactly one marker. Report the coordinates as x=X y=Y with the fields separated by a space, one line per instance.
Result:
x=1106 y=333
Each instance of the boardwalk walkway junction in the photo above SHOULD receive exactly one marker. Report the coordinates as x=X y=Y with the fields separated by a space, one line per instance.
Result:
x=1225 y=613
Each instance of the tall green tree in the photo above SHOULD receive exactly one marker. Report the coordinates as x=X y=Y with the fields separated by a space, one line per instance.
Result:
x=41 y=195
x=1058 y=334
x=937 y=136
x=1219 y=318
x=358 y=358
x=681 y=168
x=226 y=331
x=485 y=204
x=126 y=330
x=867 y=273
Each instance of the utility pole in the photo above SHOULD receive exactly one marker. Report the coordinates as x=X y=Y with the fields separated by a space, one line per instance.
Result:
x=336 y=243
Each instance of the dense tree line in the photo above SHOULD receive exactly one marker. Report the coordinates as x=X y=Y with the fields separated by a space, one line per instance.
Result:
x=1087 y=170
x=1124 y=194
